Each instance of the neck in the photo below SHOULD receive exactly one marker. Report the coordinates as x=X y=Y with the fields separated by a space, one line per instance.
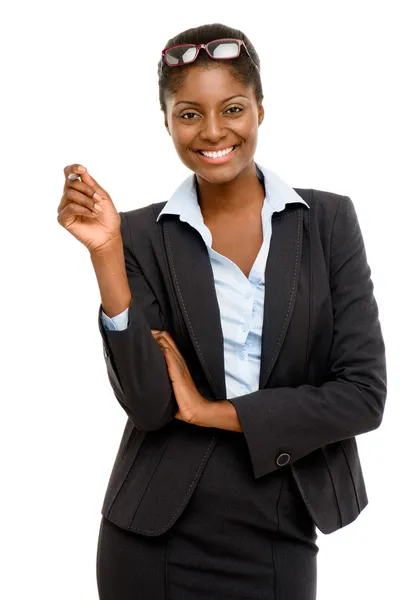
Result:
x=243 y=194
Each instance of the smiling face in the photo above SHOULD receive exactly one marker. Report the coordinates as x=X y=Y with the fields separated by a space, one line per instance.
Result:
x=213 y=112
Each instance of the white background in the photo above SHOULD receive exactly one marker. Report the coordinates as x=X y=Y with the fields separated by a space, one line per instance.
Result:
x=80 y=85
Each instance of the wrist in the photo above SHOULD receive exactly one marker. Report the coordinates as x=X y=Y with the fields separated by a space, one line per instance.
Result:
x=220 y=414
x=109 y=266
x=204 y=415
x=109 y=247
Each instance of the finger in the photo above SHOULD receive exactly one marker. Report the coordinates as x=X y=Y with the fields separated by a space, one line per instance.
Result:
x=174 y=369
x=77 y=184
x=89 y=180
x=170 y=340
x=174 y=358
x=165 y=340
x=73 y=209
x=72 y=195
x=162 y=342
x=75 y=168
x=166 y=346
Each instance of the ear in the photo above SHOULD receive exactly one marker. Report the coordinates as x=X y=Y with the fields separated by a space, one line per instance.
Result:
x=166 y=124
x=260 y=114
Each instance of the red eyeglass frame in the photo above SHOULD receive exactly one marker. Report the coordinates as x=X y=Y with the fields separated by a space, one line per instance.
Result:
x=200 y=46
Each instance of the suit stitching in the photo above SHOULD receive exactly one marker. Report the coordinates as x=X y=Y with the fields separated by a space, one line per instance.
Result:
x=292 y=292
x=187 y=493
x=174 y=305
x=184 y=308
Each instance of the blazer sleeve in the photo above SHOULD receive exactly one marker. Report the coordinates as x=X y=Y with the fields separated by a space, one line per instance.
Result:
x=299 y=420
x=136 y=366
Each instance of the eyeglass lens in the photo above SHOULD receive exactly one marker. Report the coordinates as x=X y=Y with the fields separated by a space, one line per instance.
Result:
x=186 y=54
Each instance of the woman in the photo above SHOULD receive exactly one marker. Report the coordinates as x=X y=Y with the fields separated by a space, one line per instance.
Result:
x=242 y=339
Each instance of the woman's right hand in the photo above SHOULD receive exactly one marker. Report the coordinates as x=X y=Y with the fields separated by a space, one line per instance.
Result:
x=95 y=230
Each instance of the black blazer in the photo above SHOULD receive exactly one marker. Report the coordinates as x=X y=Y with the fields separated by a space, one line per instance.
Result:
x=323 y=368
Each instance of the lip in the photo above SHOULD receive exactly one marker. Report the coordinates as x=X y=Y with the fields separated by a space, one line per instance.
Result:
x=220 y=159
x=211 y=149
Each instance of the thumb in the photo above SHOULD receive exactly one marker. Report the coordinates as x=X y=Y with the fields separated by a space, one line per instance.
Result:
x=86 y=178
x=172 y=366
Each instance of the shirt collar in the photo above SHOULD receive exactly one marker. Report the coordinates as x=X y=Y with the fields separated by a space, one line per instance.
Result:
x=278 y=193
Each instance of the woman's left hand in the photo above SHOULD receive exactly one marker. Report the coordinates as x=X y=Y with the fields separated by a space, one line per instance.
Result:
x=191 y=403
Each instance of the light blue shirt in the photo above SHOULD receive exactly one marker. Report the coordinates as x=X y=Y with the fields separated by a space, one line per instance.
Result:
x=240 y=299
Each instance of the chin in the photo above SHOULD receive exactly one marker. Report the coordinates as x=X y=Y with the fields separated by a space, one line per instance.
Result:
x=217 y=178
x=220 y=175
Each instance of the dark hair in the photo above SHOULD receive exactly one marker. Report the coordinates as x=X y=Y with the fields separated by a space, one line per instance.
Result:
x=170 y=78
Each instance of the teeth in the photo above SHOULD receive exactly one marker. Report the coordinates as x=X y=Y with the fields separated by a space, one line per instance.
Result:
x=217 y=154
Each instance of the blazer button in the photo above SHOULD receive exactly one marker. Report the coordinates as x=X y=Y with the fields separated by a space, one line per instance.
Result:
x=283 y=459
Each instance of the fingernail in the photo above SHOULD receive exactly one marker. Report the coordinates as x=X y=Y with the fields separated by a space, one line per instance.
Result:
x=97 y=207
x=81 y=169
x=96 y=196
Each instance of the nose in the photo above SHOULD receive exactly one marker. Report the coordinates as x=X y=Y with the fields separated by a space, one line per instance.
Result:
x=212 y=128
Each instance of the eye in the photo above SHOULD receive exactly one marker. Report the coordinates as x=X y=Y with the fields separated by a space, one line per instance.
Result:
x=235 y=109
x=188 y=115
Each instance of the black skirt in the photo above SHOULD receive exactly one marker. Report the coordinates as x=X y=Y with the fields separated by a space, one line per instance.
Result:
x=238 y=538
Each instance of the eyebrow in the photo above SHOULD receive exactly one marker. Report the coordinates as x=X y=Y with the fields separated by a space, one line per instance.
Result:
x=199 y=104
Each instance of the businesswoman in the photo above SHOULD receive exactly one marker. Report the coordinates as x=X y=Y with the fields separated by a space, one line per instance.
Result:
x=241 y=337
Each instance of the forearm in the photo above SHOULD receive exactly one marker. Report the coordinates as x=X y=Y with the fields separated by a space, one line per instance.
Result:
x=109 y=266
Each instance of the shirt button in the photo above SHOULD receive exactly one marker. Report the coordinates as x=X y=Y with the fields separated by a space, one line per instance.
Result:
x=245 y=327
x=242 y=355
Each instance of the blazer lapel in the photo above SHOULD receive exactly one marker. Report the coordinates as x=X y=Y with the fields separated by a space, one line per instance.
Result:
x=193 y=281
x=281 y=280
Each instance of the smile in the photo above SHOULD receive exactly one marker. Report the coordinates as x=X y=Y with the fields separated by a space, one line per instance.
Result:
x=217 y=157
x=217 y=154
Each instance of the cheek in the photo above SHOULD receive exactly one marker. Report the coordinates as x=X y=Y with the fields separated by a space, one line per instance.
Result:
x=250 y=126
x=182 y=137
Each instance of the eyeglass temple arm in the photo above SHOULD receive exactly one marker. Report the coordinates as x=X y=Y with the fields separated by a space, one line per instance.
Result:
x=248 y=53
